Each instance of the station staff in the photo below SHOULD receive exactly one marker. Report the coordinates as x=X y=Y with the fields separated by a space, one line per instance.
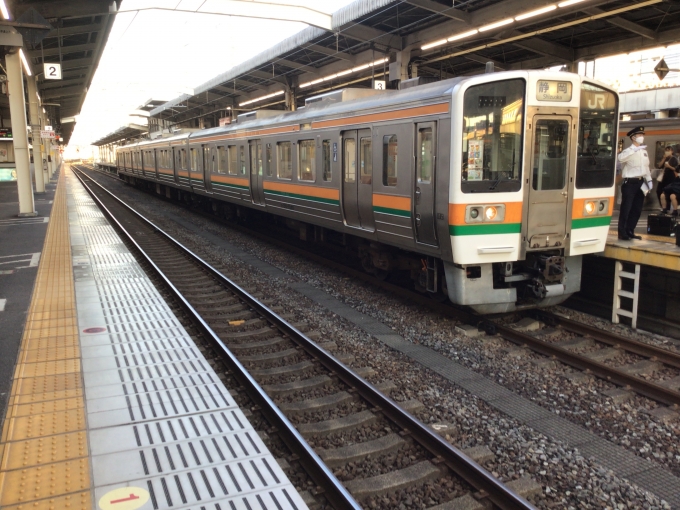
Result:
x=635 y=174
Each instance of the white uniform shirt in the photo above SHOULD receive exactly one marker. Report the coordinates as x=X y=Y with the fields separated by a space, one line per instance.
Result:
x=635 y=163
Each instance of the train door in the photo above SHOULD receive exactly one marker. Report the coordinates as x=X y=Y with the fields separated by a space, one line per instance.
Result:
x=548 y=191
x=357 y=179
x=208 y=166
x=256 y=191
x=424 y=192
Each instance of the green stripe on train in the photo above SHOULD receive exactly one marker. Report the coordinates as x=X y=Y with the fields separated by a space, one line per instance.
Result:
x=226 y=185
x=481 y=229
x=330 y=201
x=395 y=212
x=596 y=221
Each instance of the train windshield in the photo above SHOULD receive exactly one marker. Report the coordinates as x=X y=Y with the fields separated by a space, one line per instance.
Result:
x=596 y=156
x=493 y=129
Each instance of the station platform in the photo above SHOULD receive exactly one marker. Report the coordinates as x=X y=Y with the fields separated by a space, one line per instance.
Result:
x=657 y=251
x=112 y=406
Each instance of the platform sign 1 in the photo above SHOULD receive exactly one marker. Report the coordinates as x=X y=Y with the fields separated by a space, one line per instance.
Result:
x=52 y=71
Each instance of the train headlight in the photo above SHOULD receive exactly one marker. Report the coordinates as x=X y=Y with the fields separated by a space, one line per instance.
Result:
x=589 y=208
x=490 y=213
x=601 y=205
x=474 y=213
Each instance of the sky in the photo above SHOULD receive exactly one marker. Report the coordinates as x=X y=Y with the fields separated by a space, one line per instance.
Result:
x=157 y=54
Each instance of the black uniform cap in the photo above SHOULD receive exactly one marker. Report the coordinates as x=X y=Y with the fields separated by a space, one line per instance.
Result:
x=636 y=131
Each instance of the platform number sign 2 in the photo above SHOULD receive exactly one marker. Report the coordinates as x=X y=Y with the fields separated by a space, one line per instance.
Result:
x=52 y=71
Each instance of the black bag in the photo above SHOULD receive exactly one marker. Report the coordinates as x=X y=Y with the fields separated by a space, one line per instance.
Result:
x=661 y=224
x=677 y=234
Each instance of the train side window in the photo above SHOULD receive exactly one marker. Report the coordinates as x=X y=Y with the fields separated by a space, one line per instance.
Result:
x=242 y=159
x=426 y=155
x=233 y=159
x=284 y=165
x=350 y=160
x=268 y=160
x=366 y=160
x=207 y=159
x=194 y=159
x=221 y=160
x=185 y=165
x=326 y=160
x=390 y=160
x=307 y=163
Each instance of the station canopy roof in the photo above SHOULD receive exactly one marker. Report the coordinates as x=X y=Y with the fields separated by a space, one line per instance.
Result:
x=433 y=39
x=78 y=34
x=127 y=132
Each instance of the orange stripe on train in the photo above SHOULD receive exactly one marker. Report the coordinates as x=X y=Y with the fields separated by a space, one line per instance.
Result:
x=392 y=202
x=417 y=111
x=296 y=189
x=513 y=213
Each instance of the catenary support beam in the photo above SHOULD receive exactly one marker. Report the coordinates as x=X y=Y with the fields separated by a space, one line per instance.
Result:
x=17 y=108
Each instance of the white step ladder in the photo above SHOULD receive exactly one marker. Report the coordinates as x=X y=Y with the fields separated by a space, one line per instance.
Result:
x=619 y=293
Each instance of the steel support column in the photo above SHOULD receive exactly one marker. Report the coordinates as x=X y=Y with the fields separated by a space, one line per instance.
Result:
x=33 y=108
x=17 y=109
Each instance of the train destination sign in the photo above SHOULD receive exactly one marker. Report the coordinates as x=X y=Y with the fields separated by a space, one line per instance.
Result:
x=552 y=90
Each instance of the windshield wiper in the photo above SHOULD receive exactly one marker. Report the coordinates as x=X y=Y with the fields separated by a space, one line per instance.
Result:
x=496 y=183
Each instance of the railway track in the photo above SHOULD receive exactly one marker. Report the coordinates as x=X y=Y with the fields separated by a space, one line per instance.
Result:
x=306 y=392
x=647 y=370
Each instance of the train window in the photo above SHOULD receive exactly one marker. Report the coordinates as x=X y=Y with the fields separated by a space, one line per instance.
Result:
x=194 y=160
x=425 y=155
x=268 y=159
x=284 y=165
x=222 y=164
x=390 y=160
x=596 y=152
x=207 y=159
x=551 y=144
x=326 y=160
x=185 y=163
x=233 y=159
x=493 y=131
x=242 y=159
x=366 y=160
x=307 y=163
x=350 y=160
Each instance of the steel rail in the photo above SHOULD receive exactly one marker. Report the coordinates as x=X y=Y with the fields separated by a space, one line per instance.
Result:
x=660 y=354
x=496 y=492
x=335 y=491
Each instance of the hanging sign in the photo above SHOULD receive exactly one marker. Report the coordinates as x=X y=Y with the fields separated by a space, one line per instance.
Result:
x=379 y=84
x=48 y=134
x=52 y=71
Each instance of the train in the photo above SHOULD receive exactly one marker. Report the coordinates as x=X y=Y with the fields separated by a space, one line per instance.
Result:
x=485 y=190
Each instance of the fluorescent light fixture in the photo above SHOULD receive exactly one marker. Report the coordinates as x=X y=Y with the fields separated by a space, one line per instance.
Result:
x=262 y=98
x=25 y=62
x=433 y=44
x=343 y=73
x=463 y=35
x=496 y=25
x=3 y=9
x=531 y=14
x=569 y=2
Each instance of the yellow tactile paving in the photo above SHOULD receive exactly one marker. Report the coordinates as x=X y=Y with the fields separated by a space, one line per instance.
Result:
x=50 y=480
x=77 y=501
x=44 y=460
x=44 y=450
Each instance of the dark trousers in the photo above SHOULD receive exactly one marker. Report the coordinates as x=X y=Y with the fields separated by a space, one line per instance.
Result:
x=632 y=199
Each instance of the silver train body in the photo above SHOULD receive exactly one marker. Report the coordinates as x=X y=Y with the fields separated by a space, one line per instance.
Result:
x=488 y=189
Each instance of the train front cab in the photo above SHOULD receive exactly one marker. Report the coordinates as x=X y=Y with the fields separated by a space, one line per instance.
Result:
x=532 y=188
